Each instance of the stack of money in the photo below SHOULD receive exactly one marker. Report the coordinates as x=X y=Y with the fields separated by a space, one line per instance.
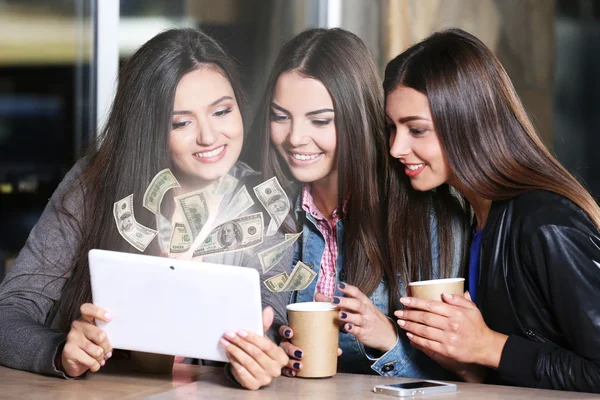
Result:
x=302 y=275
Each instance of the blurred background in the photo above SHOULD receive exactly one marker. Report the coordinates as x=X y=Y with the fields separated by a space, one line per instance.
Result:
x=59 y=60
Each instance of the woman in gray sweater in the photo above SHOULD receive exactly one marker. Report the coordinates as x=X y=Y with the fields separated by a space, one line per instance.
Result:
x=178 y=106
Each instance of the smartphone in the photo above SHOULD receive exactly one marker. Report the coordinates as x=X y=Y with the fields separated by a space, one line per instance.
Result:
x=415 y=388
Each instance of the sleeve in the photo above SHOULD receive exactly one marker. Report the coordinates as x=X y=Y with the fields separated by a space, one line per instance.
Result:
x=568 y=258
x=389 y=363
x=34 y=285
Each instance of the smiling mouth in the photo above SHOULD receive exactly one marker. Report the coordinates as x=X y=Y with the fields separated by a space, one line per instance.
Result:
x=414 y=167
x=305 y=157
x=211 y=153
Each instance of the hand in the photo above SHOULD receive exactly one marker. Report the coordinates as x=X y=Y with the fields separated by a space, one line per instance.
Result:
x=362 y=319
x=255 y=360
x=294 y=353
x=454 y=329
x=87 y=346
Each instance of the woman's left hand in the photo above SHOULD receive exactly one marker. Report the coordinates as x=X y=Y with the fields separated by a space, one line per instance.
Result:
x=255 y=360
x=453 y=328
x=362 y=319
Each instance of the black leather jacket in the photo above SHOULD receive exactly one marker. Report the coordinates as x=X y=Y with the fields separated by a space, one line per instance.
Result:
x=540 y=284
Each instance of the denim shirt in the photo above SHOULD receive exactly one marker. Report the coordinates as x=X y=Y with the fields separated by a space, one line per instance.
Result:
x=403 y=359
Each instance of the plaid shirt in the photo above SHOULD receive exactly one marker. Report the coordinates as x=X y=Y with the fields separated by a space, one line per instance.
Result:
x=327 y=272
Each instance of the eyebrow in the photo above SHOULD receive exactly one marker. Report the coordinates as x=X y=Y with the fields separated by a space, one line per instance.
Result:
x=412 y=118
x=308 y=114
x=214 y=103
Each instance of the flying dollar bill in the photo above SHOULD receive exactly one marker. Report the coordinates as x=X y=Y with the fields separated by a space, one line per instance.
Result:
x=277 y=282
x=238 y=234
x=164 y=228
x=132 y=231
x=270 y=257
x=161 y=183
x=195 y=209
x=180 y=240
x=275 y=201
x=302 y=275
x=240 y=202
x=227 y=184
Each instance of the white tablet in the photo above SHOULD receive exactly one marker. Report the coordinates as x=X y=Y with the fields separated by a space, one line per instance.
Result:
x=177 y=307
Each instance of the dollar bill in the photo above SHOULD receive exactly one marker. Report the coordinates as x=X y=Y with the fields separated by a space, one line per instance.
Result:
x=180 y=240
x=275 y=201
x=161 y=183
x=302 y=275
x=238 y=234
x=195 y=209
x=270 y=257
x=240 y=202
x=132 y=231
x=277 y=282
x=227 y=184
x=164 y=228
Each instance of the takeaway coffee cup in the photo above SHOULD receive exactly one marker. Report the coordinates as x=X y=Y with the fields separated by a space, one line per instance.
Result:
x=433 y=289
x=152 y=363
x=316 y=332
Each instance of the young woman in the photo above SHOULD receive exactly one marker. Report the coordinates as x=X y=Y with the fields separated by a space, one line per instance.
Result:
x=178 y=106
x=323 y=122
x=532 y=312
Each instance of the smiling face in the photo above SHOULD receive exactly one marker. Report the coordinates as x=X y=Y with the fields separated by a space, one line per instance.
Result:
x=413 y=139
x=303 y=127
x=207 y=130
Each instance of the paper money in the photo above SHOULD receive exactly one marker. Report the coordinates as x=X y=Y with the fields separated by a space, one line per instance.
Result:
x=194 y=207
x=132 y=231
x=180 y=240
x=227 y=184
x=161 y=183
x=275 y=200
x=302 y=275
x=270 y=257
x=277 y=282
x=238 y=234
x=240 y=202
x=164 y=228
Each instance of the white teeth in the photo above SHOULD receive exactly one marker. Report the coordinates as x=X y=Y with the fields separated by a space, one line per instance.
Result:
x=414 y=167
x=211 y=153
x=305 y=157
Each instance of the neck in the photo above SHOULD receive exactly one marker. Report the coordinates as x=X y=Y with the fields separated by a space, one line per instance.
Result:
x=325 y=195
x=481 y=206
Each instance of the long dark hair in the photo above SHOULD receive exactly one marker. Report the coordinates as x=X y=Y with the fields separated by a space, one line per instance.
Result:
x=343 y=64
x=488 y=140
x=133 y=147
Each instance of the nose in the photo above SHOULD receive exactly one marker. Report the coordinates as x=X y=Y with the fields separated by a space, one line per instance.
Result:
x=399 y=145
x=207 y=134
x=296 y=136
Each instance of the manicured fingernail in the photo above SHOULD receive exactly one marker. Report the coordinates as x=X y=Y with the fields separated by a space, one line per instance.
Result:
x=292 y=373
x=297 y=365
x=342 y=285
x=410 y=335
x=448 y=296
x=405 y=300
x=343 y=315
x=224 y=342
x=399 y=313
x=349 y=327
x=336 y=300
x=71 y=362
x=109 y=355
x=242 y=333
x=401 y=322
x=107 y=316
x=230 y=335
x=102 y=363
x=287 y=333
x=298 y=354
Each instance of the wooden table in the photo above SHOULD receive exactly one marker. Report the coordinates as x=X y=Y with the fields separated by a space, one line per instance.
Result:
x=199 y=382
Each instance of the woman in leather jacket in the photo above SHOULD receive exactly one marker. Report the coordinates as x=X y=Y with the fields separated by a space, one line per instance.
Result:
x=531 y=316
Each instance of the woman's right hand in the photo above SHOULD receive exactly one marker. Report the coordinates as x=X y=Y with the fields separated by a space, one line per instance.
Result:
x=87 y=346
x=294 y=353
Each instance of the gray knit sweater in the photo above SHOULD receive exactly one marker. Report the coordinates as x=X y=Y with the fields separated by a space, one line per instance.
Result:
x=28 y=339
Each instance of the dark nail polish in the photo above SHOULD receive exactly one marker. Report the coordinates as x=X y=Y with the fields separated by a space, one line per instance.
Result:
x=342 y=285
x=344 y=315
x=298 y=354
x=287 y=333
x=297 y=365
x=336 y=300
x=349 y=327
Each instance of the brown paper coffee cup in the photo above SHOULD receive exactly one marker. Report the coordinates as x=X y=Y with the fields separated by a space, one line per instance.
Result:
x=433 y=289
x=152 y=363
x=316 y=332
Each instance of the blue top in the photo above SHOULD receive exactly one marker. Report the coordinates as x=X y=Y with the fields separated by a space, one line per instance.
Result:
x=474 y=264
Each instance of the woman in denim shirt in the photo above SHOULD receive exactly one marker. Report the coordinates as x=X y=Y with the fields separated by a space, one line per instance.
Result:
x=324 y=139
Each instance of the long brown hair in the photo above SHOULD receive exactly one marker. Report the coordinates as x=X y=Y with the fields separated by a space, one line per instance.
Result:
x=484 y=131
x=133 y=147
x=343 y=64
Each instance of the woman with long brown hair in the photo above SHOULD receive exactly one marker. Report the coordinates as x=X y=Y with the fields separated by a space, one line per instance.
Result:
x=323 y=138
x=179 y=106
x=531 y=315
